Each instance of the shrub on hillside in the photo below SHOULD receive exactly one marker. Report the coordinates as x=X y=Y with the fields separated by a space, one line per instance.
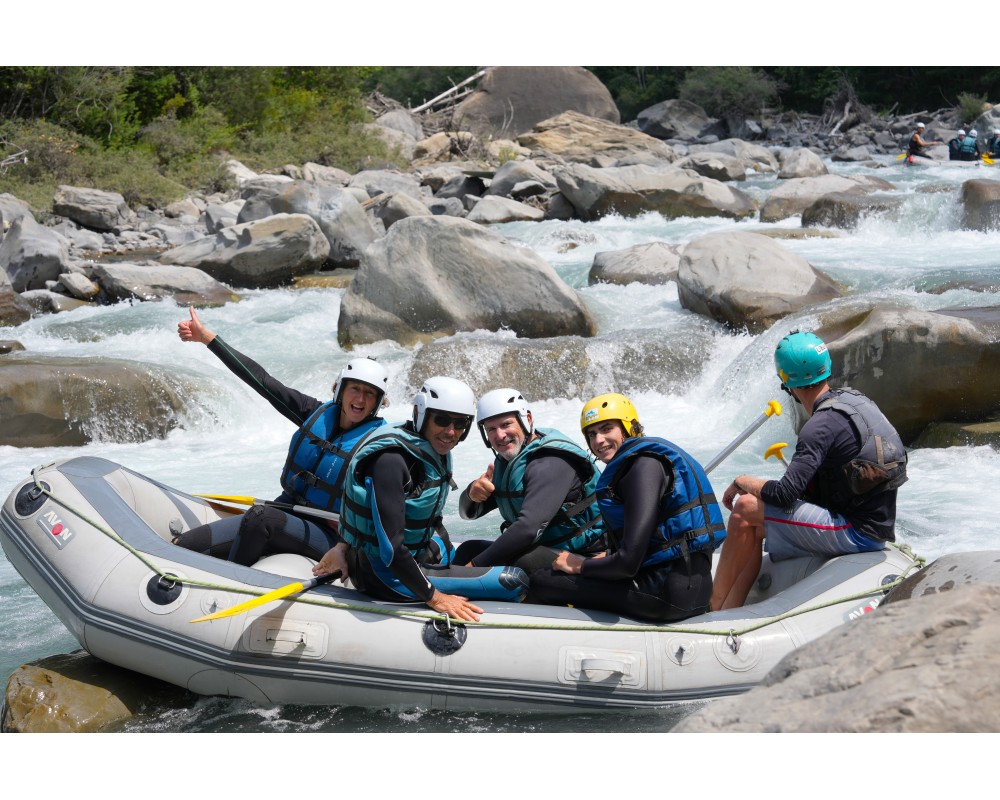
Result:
x=728 y=92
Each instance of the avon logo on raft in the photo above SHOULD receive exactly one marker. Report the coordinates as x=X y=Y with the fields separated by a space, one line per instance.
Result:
x=52 y=524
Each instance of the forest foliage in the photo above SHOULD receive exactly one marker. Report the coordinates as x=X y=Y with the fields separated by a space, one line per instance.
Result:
x=154 y=133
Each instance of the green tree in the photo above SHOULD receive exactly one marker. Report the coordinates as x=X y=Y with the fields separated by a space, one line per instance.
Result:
x=728 y=92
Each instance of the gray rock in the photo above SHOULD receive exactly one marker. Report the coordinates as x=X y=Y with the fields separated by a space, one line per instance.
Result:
x=395 y=207
x=239 y=172
x=981 y=205
x=219 y=216
x=383 y=181
x=318 y=173
x=512 y=100
x=572 y=136
x=926 y=664
x=79 y=285
x=796 y=194
x=718 y=166
x=652 y=263
x=629 y=191
x=188 y=206
x=10 y=346
x=261 y=254
x=66 y=402
x=847 y=209
x=674 y=119
x=458 y=276
x=452 y=206
x=11 y=209
x=513 y=173
x=885 y=351
x=746 y=280
x=93 y=208
x=495 y=210
x=755 y=157
x=13 y=308
x=459 y=186
x=187 y=285
x=401 y=120
x=800 y=162
x=32 y=254
x=81 y=240
x=339 y=215
x=47 y=301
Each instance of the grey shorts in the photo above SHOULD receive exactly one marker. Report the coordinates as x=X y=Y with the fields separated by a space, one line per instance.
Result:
x=810 y=530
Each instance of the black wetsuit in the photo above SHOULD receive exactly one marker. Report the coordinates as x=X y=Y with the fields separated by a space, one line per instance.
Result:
x=394 y=473
x=665 y=592
x=263 y=530
x=549 y=480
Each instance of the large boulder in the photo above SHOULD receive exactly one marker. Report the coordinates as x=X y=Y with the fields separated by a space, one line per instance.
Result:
x=848 y=209
x=637 y=360
x=572 y=136
x=387 y=181
x=32 y=254
x=651 y=263
x=262 y=254
x=496 y=210
x=926 y=664
x=77 y=693
x=11 y=209
x=64 y=402
x=514 y=173
x=981 y=205
x=338 y=214
x=795 y=195
x=511 y=100
x=186 y=285
x=391 y=208
x=93 y=208
x=634 y=190
x=746 y=280
x=755 y=157
x=674 y=119
x=800 y=162
x=718 y=166
x=919 y=366
x=13 y=309
x=434 y=276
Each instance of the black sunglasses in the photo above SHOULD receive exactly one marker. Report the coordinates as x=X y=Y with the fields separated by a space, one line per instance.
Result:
x=444 y=420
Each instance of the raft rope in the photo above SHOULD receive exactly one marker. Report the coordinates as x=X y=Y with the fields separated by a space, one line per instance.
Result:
x=165 y=575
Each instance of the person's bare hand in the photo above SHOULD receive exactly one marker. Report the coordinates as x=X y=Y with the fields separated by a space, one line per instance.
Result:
x=568 y=562
x=191 y=330
x=482 y=488
x=335 y=560
x=455 y=606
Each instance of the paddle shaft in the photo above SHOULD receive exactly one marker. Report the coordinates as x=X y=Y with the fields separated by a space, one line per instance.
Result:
x=773 y=408
x=278 y=594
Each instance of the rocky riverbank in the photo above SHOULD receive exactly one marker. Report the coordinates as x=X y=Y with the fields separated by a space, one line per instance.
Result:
x=433 y=220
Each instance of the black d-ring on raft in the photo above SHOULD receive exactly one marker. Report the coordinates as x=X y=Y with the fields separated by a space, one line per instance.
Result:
x=442 y=638
x=164 y=589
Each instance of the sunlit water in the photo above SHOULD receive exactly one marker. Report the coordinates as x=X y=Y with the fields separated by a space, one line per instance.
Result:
x=231 y=442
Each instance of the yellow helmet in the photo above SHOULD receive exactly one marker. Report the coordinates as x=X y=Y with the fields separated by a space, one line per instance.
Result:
x=611 y=406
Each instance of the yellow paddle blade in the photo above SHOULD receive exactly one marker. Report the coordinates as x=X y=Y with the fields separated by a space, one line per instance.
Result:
x=239 y=499
x=901 y=156
x=277 y=594
x=987 y=160
x=774 y=451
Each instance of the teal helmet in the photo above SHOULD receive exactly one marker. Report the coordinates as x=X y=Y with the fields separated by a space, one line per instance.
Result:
x=801 y=359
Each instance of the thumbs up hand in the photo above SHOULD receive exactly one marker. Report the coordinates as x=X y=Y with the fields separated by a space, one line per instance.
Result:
x=482 y=488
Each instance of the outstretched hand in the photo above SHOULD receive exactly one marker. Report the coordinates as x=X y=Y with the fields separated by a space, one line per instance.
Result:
x=455 y=606
x=192 y=330
x=482 y=488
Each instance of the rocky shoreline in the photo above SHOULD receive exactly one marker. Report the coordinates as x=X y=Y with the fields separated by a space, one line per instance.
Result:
x=277 y=228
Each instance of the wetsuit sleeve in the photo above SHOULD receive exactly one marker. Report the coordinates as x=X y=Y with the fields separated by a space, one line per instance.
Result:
x=641 y=489
x=469 y=509
x=825 y=433
x=291 y=404
x=548 y=480
x=390 y=476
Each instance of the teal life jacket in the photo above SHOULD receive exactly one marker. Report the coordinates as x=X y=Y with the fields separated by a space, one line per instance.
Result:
x=691 y=520
x=578 y=523
x=880 y=464
x=314 y=469
x=969 y=149
x=425 y=496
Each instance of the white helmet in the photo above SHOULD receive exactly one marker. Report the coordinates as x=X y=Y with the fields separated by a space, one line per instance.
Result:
x=996 y=131
x=961 y=132
x=973 y=133
x=921 y=125
x=443 y=394
x=503 y=401
x=364 y=370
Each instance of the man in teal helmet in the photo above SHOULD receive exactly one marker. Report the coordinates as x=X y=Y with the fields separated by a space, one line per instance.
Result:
x=838 y=494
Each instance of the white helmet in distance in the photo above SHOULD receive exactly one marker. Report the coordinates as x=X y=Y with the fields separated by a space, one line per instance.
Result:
x=364 y=370
x=503 y=401
x=444 y=394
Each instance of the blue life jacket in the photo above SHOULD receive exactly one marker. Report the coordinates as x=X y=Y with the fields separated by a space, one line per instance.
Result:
x=314 y=469
x=968 y=149
x=578 y=523
x=425 y=497
x=880 y=464
x=691 y=520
